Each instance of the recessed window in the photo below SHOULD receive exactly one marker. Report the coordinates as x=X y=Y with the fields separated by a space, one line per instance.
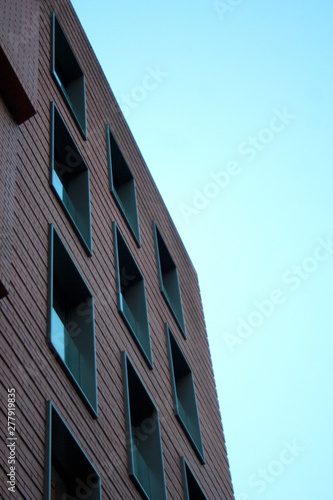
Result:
x=69 y=178
x=68 y=472
x=144 y=449
x=3 y=290
x=122 y=184
x=184 y=399
x=71 y=334
x=192 y=489
x=131 y=295
x=68 y=75
x=168 y=277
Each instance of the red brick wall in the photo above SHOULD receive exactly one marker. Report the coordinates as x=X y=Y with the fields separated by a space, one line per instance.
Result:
x=28 y=363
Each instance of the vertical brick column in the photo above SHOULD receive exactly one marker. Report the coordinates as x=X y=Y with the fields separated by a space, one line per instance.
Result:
x=8 y=151
x=19 y=27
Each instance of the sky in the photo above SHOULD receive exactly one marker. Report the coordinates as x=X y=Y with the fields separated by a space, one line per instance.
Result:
x=230 y=102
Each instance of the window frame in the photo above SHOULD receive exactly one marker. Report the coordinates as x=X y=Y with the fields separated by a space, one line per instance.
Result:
x=172 y=346
x=54 y=179
x=128 y=372
x=54 y=421
x=75 y=67
x=186 y=472
x=145 y=348
x=89 y=400
x=179 y=317
x=132 y=221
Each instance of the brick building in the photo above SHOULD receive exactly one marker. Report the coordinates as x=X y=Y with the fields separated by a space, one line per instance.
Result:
x=105 y=364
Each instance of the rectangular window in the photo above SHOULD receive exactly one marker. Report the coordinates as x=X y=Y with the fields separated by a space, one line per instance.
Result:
x=183 y=391
x=122 y=185
x=131 y=295
x=168 y=278
x=69 y=178
x=68 y=471
x=192 y=489
x=144 y=448
x=68 y=75
x=71 y=334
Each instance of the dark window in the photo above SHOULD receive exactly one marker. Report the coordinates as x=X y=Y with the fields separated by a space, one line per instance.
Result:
x=12 y=91
x=192 y=490
x=183 y=391
x=122 y=184
x=144 y=449
x=69 y=177
x=131 y=295
x=68 y=75
x=71 y=333
x=168 y=277
x=68 y=472
x=3 y=290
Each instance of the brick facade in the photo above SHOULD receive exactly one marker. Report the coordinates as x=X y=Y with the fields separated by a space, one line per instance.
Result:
x=27 y=207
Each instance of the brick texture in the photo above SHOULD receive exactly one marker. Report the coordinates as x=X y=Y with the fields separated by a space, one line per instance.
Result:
x=26 y=361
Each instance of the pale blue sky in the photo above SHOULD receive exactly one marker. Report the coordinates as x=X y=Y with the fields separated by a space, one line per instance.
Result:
x=242 y=90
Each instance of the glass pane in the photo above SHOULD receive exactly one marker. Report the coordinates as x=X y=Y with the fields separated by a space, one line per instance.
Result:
x=72 y=356
x=65 y=345
x=129 y=315
x=141 y=468
x=57 y=184
x=58 y=334
x=183 y=414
